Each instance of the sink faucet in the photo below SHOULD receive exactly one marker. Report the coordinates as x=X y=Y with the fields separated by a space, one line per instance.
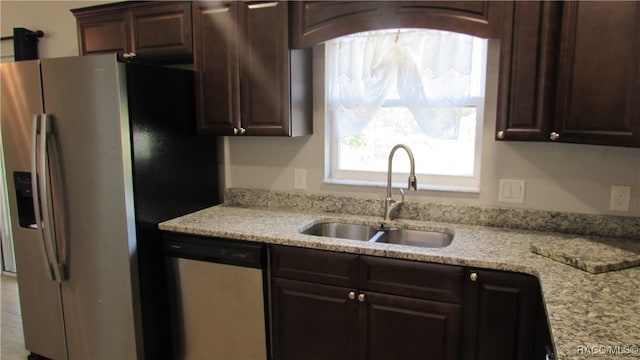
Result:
x=390 y=205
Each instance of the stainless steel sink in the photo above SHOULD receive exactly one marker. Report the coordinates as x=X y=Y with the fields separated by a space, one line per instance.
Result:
x=420 y=238
x=342 y=230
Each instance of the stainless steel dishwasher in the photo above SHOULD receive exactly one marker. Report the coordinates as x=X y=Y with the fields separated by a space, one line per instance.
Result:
x=217 y=295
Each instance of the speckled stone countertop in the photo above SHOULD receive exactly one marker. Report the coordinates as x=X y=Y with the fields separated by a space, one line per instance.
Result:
x=586 y=311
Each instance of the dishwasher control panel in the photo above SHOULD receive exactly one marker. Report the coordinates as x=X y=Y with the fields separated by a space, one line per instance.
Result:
x=211 y=249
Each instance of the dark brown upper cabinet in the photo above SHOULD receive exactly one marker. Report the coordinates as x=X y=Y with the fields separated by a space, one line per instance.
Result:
x=316 y=21
x=569 y=72
x=248 y=81
x=599 y=73
x=156 y=31
x=528 y=70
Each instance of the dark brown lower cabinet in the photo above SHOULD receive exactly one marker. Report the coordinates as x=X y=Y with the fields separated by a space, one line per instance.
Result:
x=502 y=316
x=330 y=305
x=315 y=321
x=398 y=327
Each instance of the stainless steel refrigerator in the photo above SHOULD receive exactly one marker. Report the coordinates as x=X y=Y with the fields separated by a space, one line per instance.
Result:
x=97 y=152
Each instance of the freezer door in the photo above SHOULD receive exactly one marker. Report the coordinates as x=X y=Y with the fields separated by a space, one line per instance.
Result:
x=40 y=300
x=85 y=98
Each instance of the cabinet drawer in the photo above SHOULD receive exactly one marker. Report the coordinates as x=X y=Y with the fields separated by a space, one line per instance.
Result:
x=319 y=266
x=410 y=278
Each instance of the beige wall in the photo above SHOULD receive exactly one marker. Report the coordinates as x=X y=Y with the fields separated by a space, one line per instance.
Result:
x=52 y=17
x=563 y=177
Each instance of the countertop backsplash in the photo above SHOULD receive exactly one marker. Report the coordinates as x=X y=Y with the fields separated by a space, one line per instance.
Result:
x=509 y=218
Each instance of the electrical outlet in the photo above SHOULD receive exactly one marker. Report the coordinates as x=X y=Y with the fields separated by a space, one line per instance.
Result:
x=300 y=179
x=511 y=191
x=620 y=197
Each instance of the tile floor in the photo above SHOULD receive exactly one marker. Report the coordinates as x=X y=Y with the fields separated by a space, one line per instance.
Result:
x=11 y=337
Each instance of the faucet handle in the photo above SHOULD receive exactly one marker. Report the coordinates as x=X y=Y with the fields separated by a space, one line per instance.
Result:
x=402 y=195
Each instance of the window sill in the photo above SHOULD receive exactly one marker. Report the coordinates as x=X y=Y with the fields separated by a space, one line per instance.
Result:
x=421 y=186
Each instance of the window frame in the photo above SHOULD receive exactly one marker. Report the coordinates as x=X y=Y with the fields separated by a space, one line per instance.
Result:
x=467 y=184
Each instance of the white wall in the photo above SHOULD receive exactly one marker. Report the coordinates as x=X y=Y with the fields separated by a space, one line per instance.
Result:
x=52 y=17
x=562 y=177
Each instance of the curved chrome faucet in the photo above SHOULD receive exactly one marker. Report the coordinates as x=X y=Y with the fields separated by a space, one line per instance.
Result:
x=390 y=205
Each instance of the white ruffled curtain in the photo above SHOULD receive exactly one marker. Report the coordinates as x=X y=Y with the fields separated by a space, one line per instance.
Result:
x=427 y=70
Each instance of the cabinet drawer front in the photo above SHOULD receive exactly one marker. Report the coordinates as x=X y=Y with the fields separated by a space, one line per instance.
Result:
x=410 y=278
x=325 y=267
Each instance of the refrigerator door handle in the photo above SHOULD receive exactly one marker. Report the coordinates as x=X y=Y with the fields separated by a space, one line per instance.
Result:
x=36 y=194
x=40 y=190
x=46 y=201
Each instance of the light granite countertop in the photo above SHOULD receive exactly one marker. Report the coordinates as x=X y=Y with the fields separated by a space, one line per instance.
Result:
x=587 y=312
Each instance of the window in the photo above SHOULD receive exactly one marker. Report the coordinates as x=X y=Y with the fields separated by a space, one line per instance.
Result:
x=422 y=88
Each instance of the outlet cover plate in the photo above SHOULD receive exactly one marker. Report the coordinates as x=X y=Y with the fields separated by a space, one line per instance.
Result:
x=620 y=197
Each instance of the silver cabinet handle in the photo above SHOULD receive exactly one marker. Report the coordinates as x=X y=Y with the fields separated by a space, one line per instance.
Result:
x=127 y=56
x=352 y=295
x=473 y=276
x=242 y=131
x=361 y=297
x=500 y=135
x=554 y=136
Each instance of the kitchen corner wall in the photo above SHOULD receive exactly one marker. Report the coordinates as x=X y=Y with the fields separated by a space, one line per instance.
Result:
x=560 y=177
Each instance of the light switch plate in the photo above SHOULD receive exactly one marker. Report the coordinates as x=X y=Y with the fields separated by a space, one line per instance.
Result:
x=620 y=197
x=511 y=191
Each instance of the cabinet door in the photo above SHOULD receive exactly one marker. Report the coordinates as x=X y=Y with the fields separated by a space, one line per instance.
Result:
x=313 y=321
x=216 y=64
x=406 y=328
x=599 y=73
x=264 y=68
x=500 y=315
x=528 y=66
x=162 y=31
x=106 y=32
x=316 y=21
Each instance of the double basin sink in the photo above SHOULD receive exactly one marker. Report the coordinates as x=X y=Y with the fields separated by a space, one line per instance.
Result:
x=381 y=234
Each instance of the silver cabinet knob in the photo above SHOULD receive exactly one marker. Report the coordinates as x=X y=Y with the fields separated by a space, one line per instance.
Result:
x=361 y=297
x=473 y=276
x=130 y=55
x=235 y=131
x=500 y=135
x=554 y=136
x=352 y=295
x=242 y=131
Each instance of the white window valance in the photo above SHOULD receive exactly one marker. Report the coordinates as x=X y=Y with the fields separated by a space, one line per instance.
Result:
x=428 y=71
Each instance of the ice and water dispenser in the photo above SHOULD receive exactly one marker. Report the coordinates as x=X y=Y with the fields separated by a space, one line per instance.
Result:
x=24 y=197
